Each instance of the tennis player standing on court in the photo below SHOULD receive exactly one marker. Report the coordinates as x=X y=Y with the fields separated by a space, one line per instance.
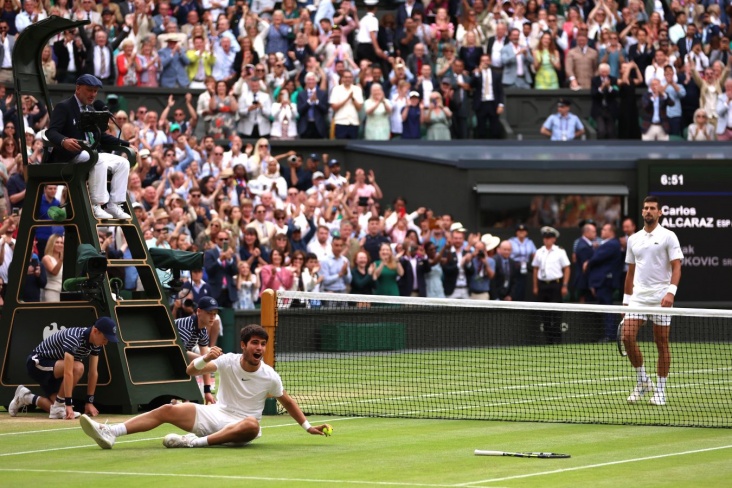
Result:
x=245 y=382
x=654 y=270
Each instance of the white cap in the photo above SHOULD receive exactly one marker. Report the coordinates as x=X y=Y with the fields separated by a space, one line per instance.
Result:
x=371 y=3
x=491 y=242
x=414 y=94
x=457 y=226
x=318 y=174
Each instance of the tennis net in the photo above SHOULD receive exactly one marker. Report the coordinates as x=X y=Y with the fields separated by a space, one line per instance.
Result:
x=405 y=357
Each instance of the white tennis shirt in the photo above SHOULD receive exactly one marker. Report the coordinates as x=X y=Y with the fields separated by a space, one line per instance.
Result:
x=241 y=393
x=652 y=255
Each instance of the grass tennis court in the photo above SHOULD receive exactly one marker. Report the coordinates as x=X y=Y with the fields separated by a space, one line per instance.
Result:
x=372 y=452
x=567 y=383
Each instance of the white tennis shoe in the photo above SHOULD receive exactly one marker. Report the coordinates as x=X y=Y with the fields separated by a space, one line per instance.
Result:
x=58 y=412
x=101 y=433
x=640 y=390
x=100 y=213
x=177 y=440
x=658 y=399
x=115 y=209
x=23 y=397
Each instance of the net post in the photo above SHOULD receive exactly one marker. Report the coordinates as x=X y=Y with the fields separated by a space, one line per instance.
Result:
x=268 y=320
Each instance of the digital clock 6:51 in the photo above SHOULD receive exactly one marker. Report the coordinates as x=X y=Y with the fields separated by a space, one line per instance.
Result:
x=673 y=180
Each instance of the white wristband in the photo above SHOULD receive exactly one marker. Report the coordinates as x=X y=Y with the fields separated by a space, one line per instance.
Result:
x=199 y=363
x=626 y=299
x=306 y=425
x=672 y=289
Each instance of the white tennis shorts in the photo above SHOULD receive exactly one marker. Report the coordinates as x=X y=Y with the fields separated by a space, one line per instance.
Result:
x=663 y=320
x=211 y=419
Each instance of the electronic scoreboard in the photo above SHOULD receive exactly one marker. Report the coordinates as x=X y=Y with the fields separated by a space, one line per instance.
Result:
x=696 y=200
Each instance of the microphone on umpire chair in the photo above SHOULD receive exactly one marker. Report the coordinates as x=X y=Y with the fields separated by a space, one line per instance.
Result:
x=100 y=106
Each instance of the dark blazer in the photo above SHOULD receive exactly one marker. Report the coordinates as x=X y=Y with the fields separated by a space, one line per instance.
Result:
x=470 y=57
x=643 y=60
x=63 y=59
x=489 y=46
x=605 y=98
x=583 y=253
x=417 y=86
x=647 y=112
x=320 y=111
x=477 y=84
x=504 y=285
x=450 y=271
x=681 y=44
x=90 y=47
x=401 y=13
x=125 y=7
x=64 y=123
x=216 y=272
x=693 y=94
x=406 y=281
x=412 y=63
x=605 y=267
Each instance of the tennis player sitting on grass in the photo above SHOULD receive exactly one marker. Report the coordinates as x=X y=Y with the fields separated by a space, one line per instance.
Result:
x=654 y=269
x=244 y=384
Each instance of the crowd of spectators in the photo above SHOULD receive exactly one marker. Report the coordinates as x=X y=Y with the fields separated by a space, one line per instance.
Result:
x=294 y=221
x=319 y=69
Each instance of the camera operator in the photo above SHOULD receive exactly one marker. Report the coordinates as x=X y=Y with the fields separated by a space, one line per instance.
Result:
x=191 y=292
x=35 y=280
x=481 y=269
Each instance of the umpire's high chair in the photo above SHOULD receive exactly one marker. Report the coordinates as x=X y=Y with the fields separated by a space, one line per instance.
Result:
x=147 y=365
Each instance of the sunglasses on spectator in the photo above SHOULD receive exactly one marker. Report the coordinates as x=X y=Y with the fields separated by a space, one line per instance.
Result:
x=225 y=239
x=162 y=229
x=281 y=218
x=218 y=154
x=195 y=195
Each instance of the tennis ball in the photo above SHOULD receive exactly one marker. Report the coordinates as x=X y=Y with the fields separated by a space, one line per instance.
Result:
x=328 y=430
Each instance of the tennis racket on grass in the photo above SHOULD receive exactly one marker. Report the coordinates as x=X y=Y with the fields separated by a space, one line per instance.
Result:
x=544 y=455
x=621 y=345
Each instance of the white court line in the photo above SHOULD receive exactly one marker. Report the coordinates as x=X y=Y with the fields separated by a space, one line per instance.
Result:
x=224 y=477
x=38 y=431
x=18 y=453
x=592 y=466
x=133 y=440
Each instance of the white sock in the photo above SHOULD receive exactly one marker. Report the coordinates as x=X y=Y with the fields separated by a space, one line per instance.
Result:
x=200 y=442
x=641 y=373
x=661 y=384
x=118 y=430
